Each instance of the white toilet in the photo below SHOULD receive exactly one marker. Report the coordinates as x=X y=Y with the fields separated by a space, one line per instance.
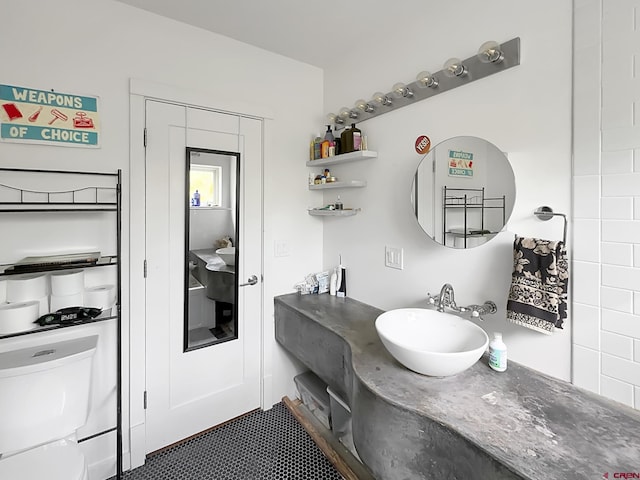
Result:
x=44 y=399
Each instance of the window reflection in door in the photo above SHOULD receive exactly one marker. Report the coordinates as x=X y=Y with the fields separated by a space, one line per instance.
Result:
x=211 y=230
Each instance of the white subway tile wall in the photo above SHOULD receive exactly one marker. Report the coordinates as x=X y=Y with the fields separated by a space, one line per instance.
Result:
x=617 y=208
x=586 y=329
x=616 y=390
x=617 y=345
x=616 y=299
x=617 y=162
x=606 y=283
x=587 y=375
x=616 y=253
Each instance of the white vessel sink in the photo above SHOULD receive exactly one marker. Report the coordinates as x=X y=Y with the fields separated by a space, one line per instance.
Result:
x=431 y=342
x=228 y=255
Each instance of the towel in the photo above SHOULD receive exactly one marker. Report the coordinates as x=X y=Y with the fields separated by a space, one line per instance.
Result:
x=538 y=293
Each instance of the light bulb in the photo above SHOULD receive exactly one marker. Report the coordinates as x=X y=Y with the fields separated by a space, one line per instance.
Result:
x=489 y=52
x=381 y=98
x=346 y=113
x=426 y=79
x=401 y=90
x=364 y=106
x=333 y=118
x=454 y=68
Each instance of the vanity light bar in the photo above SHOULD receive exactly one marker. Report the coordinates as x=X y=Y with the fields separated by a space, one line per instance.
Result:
x=495 y=58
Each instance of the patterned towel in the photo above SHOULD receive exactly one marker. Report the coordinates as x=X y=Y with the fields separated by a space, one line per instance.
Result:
x=538 y=293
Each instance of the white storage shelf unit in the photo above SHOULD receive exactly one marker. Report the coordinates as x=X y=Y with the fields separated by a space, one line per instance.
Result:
x=339 y=160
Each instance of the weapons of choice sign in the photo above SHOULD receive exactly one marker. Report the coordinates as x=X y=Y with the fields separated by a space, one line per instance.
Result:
x=53 y=118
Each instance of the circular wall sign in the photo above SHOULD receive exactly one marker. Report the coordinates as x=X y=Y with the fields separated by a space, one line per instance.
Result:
x=423 y=144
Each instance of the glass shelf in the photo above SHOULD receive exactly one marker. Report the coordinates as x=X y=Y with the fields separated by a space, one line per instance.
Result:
x=333 y=213
x=343 y=158
x=345 y=184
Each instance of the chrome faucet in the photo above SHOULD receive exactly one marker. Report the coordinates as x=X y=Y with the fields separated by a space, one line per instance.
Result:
x=446 y=298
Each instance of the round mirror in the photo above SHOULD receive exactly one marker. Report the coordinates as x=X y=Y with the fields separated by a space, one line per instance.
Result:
x=463 y=192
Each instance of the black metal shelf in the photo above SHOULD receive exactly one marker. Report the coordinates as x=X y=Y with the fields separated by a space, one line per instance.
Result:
x=87 y=199
x=100 y=318
x=469 y=199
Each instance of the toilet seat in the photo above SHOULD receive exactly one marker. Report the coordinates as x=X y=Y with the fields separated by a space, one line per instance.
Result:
x=61 y=460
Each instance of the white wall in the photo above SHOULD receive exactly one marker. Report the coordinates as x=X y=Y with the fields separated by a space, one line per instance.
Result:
x=606 y=300
x=97 y=47
x=525 y=111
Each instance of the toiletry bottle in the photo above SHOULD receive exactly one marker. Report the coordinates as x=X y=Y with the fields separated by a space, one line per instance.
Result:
x=333 y=283
x=338 y=205
x=328 y=135
x=356 y=134
x=338 y=146
x=317 y=147
x=346 y=141
x=497 y=353
x=341 y=287
x=196 y=199
x=341 y=283
x=324 y=149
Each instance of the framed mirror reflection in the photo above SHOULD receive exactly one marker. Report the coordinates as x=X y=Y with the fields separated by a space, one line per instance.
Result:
x=463 y=192
x=211 y=235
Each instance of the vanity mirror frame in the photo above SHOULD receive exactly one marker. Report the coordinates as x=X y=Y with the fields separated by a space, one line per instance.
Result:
x=470 y=192
x=235 y=209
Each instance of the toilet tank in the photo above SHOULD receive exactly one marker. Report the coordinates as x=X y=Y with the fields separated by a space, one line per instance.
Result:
x=44 y=392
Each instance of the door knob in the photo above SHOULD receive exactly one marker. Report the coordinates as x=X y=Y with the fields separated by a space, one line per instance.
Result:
x=252 y=280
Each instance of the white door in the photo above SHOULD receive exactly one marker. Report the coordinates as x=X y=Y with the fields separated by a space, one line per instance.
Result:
x=190 y=391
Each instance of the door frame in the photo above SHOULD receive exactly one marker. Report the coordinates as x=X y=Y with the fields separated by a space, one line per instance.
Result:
x=139 y=91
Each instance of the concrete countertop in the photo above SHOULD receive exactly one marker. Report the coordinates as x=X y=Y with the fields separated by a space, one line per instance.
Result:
x=533 y=425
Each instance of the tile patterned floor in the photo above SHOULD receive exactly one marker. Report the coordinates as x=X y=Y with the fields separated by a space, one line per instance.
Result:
x=269 y=445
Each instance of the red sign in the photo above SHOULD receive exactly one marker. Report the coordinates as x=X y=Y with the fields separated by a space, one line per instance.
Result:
x=423 y=144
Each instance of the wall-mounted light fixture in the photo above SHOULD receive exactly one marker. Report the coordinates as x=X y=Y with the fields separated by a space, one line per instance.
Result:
x=491 y=58
x=382 y=99
x=454 y=68
x=426 y=80
x=489 y=52
x=364 y=106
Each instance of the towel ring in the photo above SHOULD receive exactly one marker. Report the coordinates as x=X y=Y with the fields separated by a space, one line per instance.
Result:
x=546 y=213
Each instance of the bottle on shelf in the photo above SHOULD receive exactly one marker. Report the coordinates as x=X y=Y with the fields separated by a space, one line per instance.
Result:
x=357 y=137
x=317 y=147
x=338 y=205
x=328 y=137
x=346 y=140
x=324 y=149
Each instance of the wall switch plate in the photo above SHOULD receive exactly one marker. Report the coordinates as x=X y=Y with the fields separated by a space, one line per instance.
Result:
x=281 y=248
x=393 y=257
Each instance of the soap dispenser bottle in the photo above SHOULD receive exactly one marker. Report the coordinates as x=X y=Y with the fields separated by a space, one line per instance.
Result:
x=497 y=353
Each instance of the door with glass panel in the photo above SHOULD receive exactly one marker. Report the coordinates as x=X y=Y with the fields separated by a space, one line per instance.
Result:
x=203 y=251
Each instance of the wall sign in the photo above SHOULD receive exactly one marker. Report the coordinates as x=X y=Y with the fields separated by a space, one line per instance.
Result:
x=460 y=164
x=48 y=117
x=423 y=144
